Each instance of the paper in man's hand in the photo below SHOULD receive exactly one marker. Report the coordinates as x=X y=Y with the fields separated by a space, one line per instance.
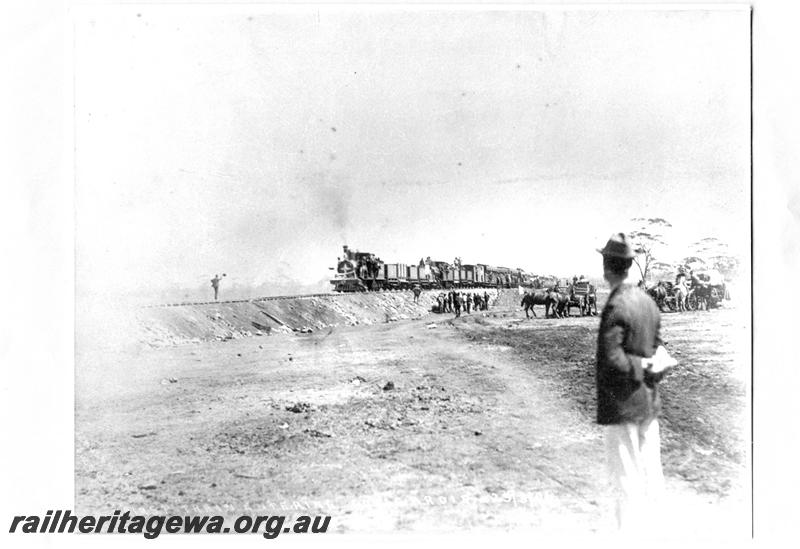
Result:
x=662 y=360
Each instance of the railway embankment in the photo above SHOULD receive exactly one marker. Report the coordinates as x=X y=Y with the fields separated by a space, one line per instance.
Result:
x=218 y=321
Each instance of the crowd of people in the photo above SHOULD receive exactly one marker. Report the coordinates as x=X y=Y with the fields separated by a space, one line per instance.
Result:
x=456 y=302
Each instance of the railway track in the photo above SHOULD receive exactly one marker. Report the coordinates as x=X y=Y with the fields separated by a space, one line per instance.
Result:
x=258 y=299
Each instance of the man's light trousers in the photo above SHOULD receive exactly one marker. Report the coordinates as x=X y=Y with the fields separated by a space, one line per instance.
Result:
x=634 y=465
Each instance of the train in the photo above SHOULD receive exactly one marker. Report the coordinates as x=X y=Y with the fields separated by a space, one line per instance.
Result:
x=365 y=272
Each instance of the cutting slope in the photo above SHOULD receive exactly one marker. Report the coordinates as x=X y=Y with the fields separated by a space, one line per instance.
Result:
x=178 y=324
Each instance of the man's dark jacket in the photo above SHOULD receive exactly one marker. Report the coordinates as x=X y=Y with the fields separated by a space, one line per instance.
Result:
x=629 y=331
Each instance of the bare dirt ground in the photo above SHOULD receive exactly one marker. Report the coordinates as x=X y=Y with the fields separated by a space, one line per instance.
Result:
x=489 y=424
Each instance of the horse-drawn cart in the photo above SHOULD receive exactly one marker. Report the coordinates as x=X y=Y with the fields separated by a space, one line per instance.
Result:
x=587 y=294
x=708 y=289
x=584 y=296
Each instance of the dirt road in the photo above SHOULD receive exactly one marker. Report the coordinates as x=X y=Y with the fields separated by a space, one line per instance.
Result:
x=435 y=424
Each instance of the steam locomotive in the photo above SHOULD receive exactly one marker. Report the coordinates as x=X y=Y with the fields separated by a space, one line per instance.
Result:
x=364 y=272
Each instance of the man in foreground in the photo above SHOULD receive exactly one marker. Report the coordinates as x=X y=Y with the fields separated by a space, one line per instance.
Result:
x=630 y=364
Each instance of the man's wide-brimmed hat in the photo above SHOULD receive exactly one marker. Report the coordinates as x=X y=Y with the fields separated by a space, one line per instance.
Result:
x=617 y=246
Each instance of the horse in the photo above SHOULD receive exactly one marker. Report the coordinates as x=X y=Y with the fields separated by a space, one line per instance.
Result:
x=536 y=298
x=681 y=294
x=559 y=303
x=659 y=294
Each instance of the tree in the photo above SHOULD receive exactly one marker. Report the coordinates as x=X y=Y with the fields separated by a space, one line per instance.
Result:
x=661 y=269
x=713 y=252
x=692 y=263
x=647 y=236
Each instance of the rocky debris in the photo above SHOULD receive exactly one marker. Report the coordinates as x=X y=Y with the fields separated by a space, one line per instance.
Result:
x=437 y=400
x=168 y=380
x=315 y=433
x=299 y=408
x=380 y=424
x=389 y=386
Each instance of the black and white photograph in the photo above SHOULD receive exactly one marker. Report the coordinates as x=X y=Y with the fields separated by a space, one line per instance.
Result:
x=356 y=251
x=410 y=269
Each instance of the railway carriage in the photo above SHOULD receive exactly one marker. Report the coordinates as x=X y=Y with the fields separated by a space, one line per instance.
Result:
x=499 y=277
x=452 y=278
x=412 y=275
x=395 y=276
x=468 y=276
x=480 y=275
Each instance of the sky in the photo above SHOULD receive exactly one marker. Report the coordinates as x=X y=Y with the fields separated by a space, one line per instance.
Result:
x=256 y=143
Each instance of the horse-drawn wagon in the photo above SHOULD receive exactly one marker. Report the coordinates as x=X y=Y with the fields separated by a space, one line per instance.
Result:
x=580 y=294
x=708 y=289
x=584 y=296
